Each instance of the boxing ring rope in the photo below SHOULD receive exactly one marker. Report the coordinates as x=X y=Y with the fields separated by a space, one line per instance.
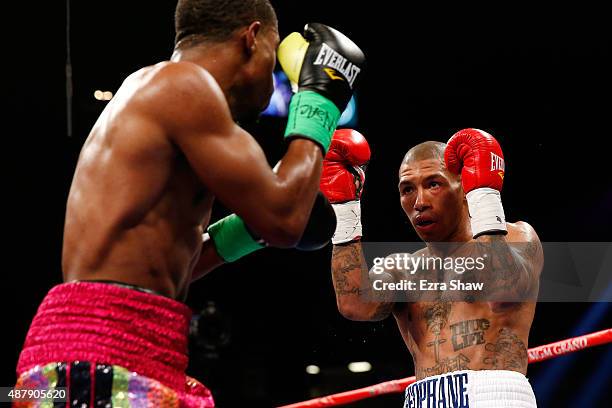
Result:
x=535 y=354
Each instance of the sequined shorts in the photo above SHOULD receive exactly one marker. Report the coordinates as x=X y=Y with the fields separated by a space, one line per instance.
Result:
x=105 y=386
x=109 y=344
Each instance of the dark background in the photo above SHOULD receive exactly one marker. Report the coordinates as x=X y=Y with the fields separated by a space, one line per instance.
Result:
x=538 y=80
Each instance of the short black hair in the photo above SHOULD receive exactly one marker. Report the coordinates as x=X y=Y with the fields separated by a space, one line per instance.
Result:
x=197 y=21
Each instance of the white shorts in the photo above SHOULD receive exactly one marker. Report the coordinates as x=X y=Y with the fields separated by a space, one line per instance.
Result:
x=471 y=389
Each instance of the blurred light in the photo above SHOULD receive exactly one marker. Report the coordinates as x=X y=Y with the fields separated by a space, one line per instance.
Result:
x=279 y=102
x=281 y=98
x=594 y=386
x=349 y=116
x=103 y=96
x=359 y=367
x=547 y=381
x=313 y=369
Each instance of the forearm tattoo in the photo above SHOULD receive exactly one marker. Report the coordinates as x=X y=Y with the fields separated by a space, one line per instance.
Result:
x=347 y=262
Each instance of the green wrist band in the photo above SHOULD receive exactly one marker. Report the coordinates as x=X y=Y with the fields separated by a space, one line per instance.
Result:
x=313 y=116
x=232 y=239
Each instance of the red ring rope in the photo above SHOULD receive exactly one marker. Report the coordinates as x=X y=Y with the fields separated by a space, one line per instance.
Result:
x=536 y=354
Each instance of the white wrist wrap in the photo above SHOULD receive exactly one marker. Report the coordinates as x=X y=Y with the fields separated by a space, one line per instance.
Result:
x=486 y=211
x=348 y=222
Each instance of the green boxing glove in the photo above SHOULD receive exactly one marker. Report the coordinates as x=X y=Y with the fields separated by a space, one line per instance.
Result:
x=325 y=65
x=232 y=238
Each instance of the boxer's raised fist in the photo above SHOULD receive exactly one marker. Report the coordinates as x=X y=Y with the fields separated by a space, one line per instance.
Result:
x=342 y=181
x=478 y=157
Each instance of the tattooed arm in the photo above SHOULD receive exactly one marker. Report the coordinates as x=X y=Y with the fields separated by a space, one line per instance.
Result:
x=513 y=263
x=352 y=285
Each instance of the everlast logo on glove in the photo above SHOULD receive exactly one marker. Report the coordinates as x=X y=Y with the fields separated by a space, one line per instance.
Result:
x=331 y=58
x=497 y=163
x=324 y=64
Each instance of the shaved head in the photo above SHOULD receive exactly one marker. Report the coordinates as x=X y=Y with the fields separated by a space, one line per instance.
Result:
x=430 y=193
x=425 y=151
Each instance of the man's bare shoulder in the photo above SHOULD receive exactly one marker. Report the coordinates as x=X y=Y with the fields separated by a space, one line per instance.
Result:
x=185 y=81
x=528 y=243
x=176 y=93
x=521 y=231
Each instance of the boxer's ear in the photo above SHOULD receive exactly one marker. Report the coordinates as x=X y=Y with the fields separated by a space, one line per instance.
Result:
x=250 y=42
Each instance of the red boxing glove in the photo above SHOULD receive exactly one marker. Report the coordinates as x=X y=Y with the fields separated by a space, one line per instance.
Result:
x=342 y=181
x=478 y=157
x=342 y=178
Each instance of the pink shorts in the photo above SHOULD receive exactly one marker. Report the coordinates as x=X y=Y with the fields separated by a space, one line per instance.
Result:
x=111 y=345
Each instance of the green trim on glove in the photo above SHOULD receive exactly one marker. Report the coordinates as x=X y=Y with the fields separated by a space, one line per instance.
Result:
x=232 y=238
x=313 y=116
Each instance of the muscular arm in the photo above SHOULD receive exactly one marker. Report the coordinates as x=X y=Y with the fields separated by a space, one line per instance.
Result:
x=351 y=283
x=513 y=263
x=230 y=162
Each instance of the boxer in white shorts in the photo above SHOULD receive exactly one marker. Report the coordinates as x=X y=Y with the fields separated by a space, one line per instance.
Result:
x=468 y=351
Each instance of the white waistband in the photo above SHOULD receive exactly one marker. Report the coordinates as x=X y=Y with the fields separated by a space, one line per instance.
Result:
x=471 y=389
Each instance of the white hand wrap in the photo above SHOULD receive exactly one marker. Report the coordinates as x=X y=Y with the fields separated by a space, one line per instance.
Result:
x=348 y=222
x=486 y=211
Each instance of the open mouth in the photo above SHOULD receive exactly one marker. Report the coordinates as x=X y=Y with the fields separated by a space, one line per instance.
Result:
x=423 y=222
